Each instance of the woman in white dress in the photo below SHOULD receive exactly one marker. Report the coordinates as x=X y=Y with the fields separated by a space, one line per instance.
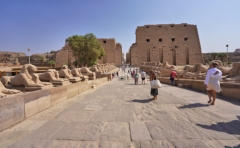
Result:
x=212 y=82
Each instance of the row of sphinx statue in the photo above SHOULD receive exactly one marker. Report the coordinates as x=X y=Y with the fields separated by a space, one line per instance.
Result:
x=197 y=71
x=29 y=80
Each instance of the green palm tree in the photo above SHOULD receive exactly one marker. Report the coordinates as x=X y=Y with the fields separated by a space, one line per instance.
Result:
x=51 y=63
x=214 y=55
x=222 y=56
x=42 y=58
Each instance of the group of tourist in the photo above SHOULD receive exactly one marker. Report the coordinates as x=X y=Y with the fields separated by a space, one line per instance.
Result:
x=211 y=82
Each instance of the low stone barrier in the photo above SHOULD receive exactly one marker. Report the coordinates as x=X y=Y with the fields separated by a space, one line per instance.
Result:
x=16 y=108
x=228 y=89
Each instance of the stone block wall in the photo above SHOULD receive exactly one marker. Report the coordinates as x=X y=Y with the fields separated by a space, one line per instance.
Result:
x=113 y=51
x=177 y=44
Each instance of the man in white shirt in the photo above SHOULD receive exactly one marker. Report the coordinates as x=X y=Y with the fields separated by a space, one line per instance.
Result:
x=212 y=82
x=143 y=76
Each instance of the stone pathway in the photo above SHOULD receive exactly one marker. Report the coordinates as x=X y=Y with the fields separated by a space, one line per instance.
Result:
x=119 y=114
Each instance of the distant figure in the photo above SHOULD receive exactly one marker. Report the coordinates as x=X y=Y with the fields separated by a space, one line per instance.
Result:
x=128 y=76
x=212 y=82
x=143 y=76
x=136 y=78
x=117 y=73
x=173 y=75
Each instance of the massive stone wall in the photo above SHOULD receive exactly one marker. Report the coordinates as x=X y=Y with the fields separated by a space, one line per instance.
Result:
x=113 y=54
x=113 y=51
x=176 y=43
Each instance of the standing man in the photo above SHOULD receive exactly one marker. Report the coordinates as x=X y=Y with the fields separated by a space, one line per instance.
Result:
x=173 y=75
x=212 y=82
x=143 y=76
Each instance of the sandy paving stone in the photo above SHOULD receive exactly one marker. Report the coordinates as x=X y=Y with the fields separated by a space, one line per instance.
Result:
x=125 y=116
x=191 y=143
x=47 y=131
x=106 y=116
x=139 y=131
x=8 y=137
x=168 y=129
x=110 y=144
x=73 y=144
x=75 y=116
x=112 y=107
x=223 y=143
x=26 y=143
x=116 y=131
x=90 y=131
x=94 y=107
x=156 y=144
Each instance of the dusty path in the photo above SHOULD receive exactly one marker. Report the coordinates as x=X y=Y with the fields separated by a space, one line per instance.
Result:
x=119 y=114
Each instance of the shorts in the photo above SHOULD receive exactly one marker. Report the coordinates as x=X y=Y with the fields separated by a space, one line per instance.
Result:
x=143 y=79
x=210 y=87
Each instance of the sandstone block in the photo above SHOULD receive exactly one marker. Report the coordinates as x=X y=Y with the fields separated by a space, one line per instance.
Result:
x=11 y=111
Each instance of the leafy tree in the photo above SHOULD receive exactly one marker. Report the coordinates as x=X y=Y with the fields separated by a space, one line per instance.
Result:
x=51 y=63
x=86 y=49
x=214 y=55
x=222 y=55
x=52 y=51
x=42 y=58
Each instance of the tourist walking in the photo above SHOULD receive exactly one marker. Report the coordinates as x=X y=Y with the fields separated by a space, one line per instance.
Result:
x=154 y=91
x=136 y=78
x=117 y=73
x=212 y=82
x=143 y=76
x=173 y=75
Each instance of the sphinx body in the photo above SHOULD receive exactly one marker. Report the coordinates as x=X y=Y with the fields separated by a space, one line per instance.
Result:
x=6 y=92
x=234 y=73
x=26 y=78
x=90 y=74
x=65 y=72
x=51 y=75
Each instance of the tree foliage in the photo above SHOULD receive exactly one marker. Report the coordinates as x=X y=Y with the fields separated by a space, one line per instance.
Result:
x=214 y=55
x=42 y=58
x=86 y=49
x=222 y=55
x=51 y=63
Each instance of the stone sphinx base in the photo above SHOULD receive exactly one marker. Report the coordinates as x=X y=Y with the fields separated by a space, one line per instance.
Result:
x=63 y=83
x=84 y=78
x=92 y=77
x=22 y=88
x=74 y=79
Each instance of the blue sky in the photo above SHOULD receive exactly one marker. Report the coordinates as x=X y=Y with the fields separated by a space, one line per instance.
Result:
x=43 y=25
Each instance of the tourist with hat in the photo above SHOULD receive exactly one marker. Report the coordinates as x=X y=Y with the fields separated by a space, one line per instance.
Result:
x=212 y=82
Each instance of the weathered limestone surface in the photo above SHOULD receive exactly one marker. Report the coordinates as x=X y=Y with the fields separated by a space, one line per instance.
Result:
x=11 y=111
x=120 y=114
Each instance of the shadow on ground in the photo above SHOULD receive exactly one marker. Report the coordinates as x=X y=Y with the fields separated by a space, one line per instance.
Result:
x=232 y=127
x=141 y=101
x=195 y=105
